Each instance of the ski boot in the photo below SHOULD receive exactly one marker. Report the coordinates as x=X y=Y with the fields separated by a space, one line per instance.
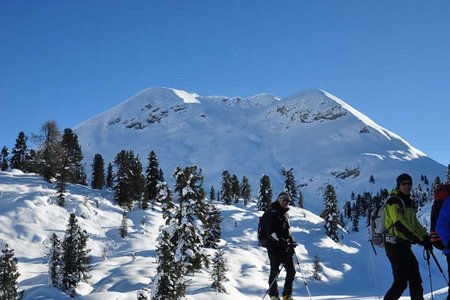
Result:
x=288 y=297
x=274 y=298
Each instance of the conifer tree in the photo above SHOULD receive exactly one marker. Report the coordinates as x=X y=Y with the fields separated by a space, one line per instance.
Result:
x=19 y=152
x=331 y=213
x=153 y=175
x=301 y=200
x=137 y=178
x=212 y=194
x=9 y=275
x=109 y=176
x=226 y=190
x=191 y=198
x=235 y=188
x=55 y=261
x=317 y=268
x=164 y=196
x=246 y=190
x=72 y=150
x=355 y=221
x=219 y=272
x=50 y=150
x=129 y=185
x=347 y=210
x=169 y=282
x=265 y=193
x=62 y=178
x=76 y=260
x=212 y=227
x=123 y=229
x=290 y=184
x=98 y=172
x=4 y=165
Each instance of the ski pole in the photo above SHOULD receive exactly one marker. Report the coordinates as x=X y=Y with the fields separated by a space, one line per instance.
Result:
x=273 y=281
x=439 y=266
x=427 y=257
x=303 y=275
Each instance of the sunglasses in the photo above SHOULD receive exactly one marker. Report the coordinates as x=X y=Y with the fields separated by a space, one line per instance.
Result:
x=284 y=199
x=406 y=183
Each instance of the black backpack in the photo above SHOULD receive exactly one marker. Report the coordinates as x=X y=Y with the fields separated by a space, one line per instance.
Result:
x=263 y=237
x=440 y=194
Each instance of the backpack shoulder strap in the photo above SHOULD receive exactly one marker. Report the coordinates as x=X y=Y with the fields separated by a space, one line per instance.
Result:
x=394 y=199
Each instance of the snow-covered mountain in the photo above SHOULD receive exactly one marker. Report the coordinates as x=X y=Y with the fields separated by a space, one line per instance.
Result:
x=29 y=215
x=320 y=136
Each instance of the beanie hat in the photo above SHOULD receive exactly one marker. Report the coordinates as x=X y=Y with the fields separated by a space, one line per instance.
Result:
x=403 y=177
x=283 y=195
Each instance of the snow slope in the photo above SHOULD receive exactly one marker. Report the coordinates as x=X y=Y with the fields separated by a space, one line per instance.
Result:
x=29 y=215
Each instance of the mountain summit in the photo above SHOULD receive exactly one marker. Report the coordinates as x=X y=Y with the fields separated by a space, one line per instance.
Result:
x=323 y=138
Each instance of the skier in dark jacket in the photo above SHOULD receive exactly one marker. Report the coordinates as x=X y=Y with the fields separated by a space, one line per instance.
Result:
x=404 y=230
x=280 y=247
x=443 y=229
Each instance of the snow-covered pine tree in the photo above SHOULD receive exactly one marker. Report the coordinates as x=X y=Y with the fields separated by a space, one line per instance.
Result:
x=164 y=196
x=4 y=165
x=98 y=172
x=109 y=176
x=191 y=199
x=75 y=156
x=246 y=190
x=219 y=272
x=76 y=260
x=212 y=227
x=265 y=193
x=235 y=188
x=61 y=180
x=317 y=268
x=226 y=190
x=169 y=282
x=290 y=184
x=123 y=229
x=19 y=151
x=55 y=262
x=9 y=275
x=330 y=214
x=152 y=176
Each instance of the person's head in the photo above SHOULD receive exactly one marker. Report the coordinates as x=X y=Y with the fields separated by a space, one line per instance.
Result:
x=404 y=183
x=284 y=199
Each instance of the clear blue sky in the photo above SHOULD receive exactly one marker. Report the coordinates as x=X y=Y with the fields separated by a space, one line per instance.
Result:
x=70 y=60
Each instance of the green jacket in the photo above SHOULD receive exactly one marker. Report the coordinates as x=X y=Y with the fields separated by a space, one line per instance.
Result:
x=402 y=222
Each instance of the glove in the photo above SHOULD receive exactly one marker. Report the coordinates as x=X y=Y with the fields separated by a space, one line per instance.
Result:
x=426 y=243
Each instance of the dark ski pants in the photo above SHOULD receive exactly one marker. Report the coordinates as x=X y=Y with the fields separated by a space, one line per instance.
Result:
x=276 y=257
x=405 y=269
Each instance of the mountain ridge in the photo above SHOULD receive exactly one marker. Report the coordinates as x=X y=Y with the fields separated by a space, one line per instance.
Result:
x=312 y=131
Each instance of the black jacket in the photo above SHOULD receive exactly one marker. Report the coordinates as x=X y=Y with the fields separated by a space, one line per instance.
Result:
x=277 y=226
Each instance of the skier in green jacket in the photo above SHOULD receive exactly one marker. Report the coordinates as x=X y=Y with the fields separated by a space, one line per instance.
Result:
x=404 y=229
